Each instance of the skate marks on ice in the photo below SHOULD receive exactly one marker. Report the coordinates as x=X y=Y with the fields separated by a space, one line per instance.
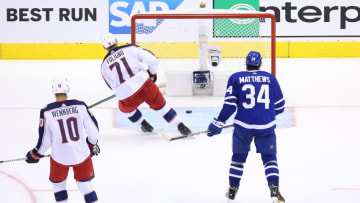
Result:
x=197 y=119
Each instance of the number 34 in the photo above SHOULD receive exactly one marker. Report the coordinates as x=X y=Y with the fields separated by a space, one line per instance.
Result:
x=263 y=96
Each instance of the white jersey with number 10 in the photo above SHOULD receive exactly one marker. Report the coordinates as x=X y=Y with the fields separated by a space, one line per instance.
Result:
x=65 y=126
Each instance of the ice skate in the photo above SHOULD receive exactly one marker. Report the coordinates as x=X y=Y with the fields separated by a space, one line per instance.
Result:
x=183 y=129
x=275 y=194
x=146 y=127
x=231 y=193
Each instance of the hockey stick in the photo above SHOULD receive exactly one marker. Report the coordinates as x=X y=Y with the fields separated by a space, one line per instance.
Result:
x=163 y=133
x=102 y=101
x=20 y=159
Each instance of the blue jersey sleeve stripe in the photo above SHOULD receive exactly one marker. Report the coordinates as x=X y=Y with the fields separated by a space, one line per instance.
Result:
x=230 y=97
x=280 y=108
x=279 y=105
x=230 y=103
x=282 y=99
x=254 y=126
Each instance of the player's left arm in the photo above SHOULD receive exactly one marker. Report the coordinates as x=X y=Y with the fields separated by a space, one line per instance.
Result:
x=279 y=100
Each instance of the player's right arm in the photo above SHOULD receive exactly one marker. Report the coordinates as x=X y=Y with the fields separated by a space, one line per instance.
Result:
x=106 y=75
x=230 y=100
x=44 y=141
x=229 y=107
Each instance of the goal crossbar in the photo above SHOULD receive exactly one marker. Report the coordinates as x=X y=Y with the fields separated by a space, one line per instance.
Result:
x=162 y=15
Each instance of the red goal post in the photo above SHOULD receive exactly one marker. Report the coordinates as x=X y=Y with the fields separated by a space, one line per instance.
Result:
x=216 y=15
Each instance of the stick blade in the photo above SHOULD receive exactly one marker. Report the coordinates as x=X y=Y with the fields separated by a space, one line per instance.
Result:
x=164 y=134
x=179 y=137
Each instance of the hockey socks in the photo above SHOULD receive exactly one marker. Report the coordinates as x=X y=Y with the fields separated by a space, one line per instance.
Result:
x=91 y=197
x=61 y=196
x=60 y=192
x=169 y=114
x=87 y=190
x=236 y=169
x=135 y=116
x=271 y=168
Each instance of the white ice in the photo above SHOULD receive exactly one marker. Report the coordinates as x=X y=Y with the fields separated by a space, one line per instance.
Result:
x=318 y=156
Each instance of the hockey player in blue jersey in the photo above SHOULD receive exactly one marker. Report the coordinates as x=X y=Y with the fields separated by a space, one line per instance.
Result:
x=257 y=98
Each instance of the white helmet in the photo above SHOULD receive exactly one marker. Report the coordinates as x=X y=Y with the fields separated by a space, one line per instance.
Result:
x=108 y=40
x=60 y=85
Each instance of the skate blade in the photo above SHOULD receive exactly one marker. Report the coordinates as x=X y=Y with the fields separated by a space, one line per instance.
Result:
x=230 y=201
x=276 y=200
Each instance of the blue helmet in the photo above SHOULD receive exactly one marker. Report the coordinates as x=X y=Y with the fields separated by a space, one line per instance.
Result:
x=253 y=59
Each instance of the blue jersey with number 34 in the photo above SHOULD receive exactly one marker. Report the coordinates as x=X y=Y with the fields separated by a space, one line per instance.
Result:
x=256 y=97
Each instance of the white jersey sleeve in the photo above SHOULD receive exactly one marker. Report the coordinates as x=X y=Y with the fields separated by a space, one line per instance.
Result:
x=65 y=127
x=124 y=71
x=91 y=128
x=44 y=141
x=148 y=58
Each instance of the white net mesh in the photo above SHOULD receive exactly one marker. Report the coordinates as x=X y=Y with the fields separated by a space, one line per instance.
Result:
x=178 y=37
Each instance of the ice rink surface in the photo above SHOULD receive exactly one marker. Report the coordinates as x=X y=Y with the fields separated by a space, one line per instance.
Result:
x=318 y=154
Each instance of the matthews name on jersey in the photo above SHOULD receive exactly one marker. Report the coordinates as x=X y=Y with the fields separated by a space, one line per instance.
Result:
x=61 y=125
x=258 y=99
x=123 y=69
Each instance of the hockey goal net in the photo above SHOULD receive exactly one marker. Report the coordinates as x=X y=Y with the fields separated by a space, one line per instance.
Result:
x=175 y=36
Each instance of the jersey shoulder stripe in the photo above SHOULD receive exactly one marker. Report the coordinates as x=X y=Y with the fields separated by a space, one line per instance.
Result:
x=55 y=105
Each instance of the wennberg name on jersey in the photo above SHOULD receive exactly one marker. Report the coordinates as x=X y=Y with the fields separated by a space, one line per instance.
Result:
x=64 y=111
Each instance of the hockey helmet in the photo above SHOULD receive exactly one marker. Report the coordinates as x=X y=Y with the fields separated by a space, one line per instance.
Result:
x=253 y=59
x=60 y=86
x=108 y=40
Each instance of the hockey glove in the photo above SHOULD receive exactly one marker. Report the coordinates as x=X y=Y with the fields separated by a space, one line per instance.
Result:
x=94 y=149
x=215 y=127
x=153 y=77
x=33 y=157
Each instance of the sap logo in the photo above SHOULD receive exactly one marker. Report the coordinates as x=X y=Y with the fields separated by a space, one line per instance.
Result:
x=120 y=12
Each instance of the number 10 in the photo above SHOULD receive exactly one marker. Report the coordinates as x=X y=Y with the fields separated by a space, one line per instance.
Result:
x=72 y=126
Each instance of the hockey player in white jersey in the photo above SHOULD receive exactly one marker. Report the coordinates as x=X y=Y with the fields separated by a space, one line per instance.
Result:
x=256 y=98
x=134 y=83
x=71 y=131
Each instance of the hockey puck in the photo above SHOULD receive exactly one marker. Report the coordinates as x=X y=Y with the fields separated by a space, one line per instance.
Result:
x=188 y=111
